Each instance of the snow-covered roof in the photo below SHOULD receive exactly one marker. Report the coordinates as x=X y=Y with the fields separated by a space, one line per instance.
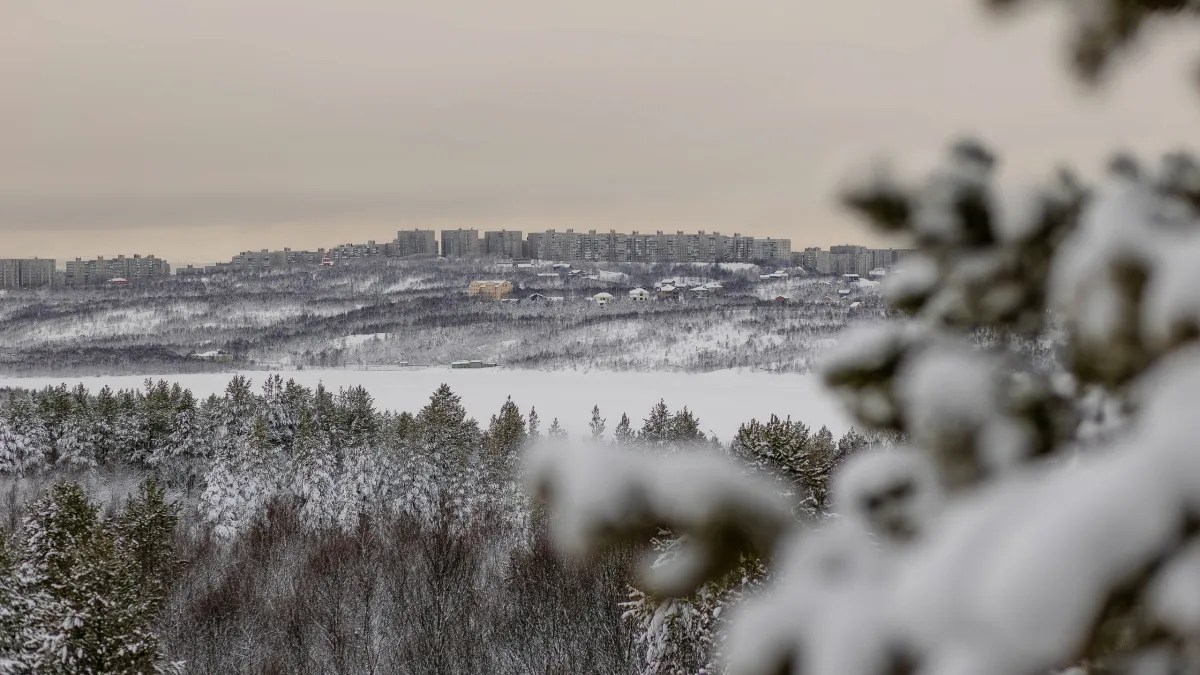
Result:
x=639 y=291
x=119 y=280
x=667 y=288
x=855 y=305
x=603 y=296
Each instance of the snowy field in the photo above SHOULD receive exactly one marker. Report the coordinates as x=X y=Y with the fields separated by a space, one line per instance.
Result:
x=722 y=400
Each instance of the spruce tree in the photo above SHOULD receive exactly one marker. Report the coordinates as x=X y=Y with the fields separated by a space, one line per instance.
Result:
x=506 y=434
x=97 y=584
x=597 y=424
x=535 y=425
x=656 y=429
x=623 y=434
x=556 y=431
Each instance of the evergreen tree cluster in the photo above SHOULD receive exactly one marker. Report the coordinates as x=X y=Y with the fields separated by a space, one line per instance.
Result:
x=335 y=460
x=79 y=591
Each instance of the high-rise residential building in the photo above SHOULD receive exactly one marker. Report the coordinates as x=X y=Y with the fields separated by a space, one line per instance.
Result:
x=252 y=260
x=80 y=272
x=771 y=249
x=356 y=251
x=847 y=248
x=415 y=242
x=27 y=272
x=264 y=259
x=659 y=247
x=460 y=243
x=503 y=244
x=847 y=259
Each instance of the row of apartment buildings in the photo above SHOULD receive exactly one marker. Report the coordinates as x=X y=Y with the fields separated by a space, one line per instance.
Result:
x=847 y=259
x=43 y=272
x=80 y=272
x=612 y=246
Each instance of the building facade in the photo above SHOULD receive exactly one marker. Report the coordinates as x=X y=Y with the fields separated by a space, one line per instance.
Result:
x=27 y=272
x=490 y=290
x=265 y=259
x=847 y=259
x=80 y=272
x=503 y=244
x=460 y=243
x=415 y=242
x=657 y=247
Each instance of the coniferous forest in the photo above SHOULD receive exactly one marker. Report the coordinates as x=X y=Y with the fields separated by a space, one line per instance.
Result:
x=296 y=530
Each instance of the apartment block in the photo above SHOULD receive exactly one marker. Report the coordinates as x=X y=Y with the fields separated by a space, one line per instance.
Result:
x=847 y=259
x=460 y=243
x=503 y=244
x=355 y=251
x=27 y=272
x=771 y=249
x=415 y=242
x=659 y=247
x=80 y=272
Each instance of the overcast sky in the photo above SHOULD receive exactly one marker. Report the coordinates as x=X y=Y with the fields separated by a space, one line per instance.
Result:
x=194 y=129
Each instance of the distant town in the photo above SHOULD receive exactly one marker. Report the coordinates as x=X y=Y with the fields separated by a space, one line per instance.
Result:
x=511 y=245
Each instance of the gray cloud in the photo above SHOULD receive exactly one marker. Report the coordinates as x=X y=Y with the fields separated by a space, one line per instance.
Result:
x=182 y=116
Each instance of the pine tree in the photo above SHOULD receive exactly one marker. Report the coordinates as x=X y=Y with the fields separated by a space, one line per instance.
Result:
x=684 y=428
x=556 y=431
x=241 y=482
x=130 y=438
x=506 y=434
x=656 y=429
x=104 y=425
x=443 y=459
x=77 y=443
x=535 y=425
x=16 y=458
x=356 y=417
x=97 y=584
x=597 y=424
x=623 y=434
x=18 y=634
x=31 y=441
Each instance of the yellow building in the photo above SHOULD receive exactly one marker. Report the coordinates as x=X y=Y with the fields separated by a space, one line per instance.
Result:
x=490 y=290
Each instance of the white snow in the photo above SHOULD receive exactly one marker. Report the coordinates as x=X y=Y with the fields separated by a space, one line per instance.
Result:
x=722 y=400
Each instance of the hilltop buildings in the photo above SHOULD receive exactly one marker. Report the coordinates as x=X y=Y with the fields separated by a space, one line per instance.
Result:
x=415 y=242
x=80 y=272
x=27 y=273
x=460 y=243
x=658 y=247
x=847 y=259
x=503 y=244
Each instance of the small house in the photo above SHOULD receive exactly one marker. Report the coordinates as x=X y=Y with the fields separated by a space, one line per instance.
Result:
x=602 y=298
x=782 y=299
x=536 y=297
x=668 y=292
x=639 y=295
x=119 y=282
x=844 y=292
